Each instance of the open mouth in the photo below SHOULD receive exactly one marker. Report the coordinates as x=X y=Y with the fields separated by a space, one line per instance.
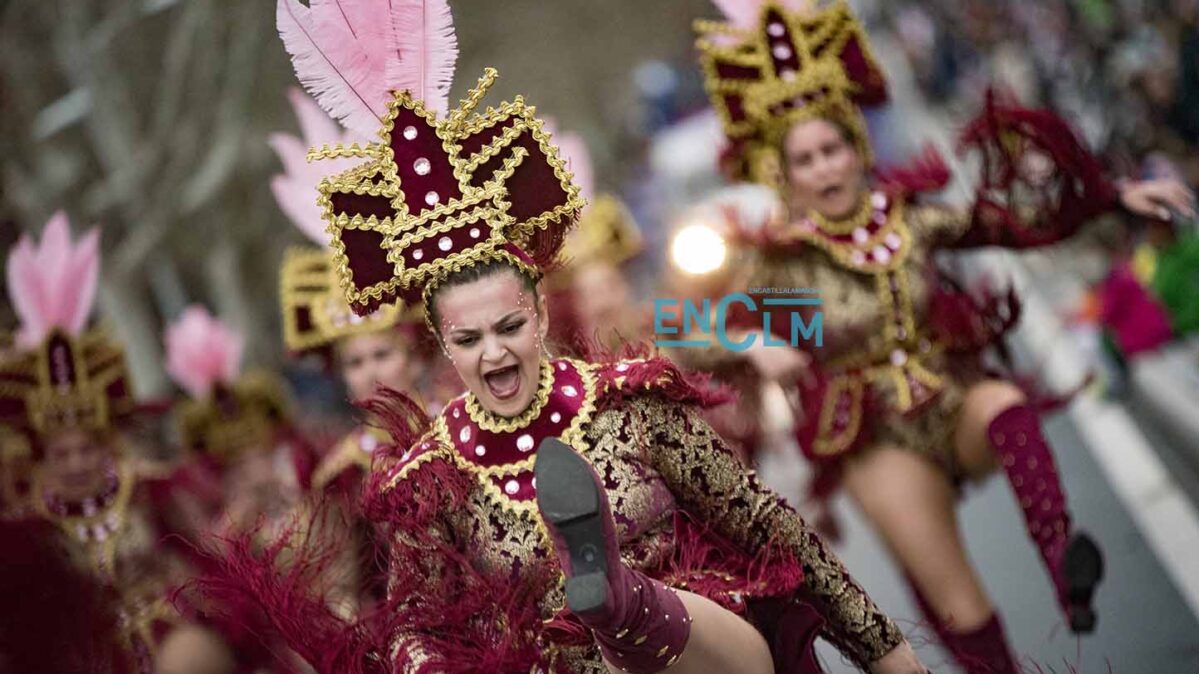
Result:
x=830 y=192
x=504 y=382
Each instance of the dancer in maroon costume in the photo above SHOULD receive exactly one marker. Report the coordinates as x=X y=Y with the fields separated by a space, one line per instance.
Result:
x=897 y=407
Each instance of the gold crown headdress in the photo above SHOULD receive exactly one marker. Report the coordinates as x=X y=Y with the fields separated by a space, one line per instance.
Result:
x=60 y=375
x=442 y=195
x=606 y=232
x=787 y=67
x=436 y=194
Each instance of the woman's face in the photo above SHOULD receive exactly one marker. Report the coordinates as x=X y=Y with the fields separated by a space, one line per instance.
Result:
x=493 y=329
x=372 y=360
x=75 y=464
x=824 y=169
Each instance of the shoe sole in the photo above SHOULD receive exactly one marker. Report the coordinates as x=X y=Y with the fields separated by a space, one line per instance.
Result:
x=1082 y=568
x=570 y=501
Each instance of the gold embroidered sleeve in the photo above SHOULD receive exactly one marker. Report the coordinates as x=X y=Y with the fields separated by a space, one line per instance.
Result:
x=706 y=478
x=408 y=651
x=939 y=224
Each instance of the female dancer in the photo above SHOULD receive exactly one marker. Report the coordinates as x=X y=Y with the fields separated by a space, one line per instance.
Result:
x=67 y=390
x=515 y=561
x=899 y=408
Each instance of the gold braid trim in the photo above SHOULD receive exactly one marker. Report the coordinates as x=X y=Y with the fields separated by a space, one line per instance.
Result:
x=438 y=449
x=860 y=218
x=497 y=424
x=471 y=103
x=826 y=443
x=339 y=151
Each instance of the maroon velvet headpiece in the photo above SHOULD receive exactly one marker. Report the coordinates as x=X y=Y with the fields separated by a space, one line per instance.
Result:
x=441 y=195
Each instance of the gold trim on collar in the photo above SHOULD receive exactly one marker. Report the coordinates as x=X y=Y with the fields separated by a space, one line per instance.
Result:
x=496 y=424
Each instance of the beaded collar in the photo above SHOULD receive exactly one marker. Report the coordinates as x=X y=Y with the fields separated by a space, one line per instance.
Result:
x=93 y=522
x=501 y=451
x=880 y=244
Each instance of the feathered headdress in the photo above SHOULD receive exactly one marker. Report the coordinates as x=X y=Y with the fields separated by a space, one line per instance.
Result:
x=606 y=230
x=315 y=313
x=440 y=190
x=202 y=352
x=778 y=63
x=60 y=375
x=227 y=412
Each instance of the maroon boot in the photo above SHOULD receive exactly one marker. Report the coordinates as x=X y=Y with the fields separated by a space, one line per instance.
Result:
x=983 y=650
x=639 y=624
x=1074 y=561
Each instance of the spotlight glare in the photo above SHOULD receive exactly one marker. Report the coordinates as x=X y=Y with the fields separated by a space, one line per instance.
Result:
x=698 y=249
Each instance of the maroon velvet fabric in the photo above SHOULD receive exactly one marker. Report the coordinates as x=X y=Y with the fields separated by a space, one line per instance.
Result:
x=409 y=153
x=500 y=448
x=782 y=44
x=366 y=205
x=446 y=244
x=872 y=86
x=367 y=255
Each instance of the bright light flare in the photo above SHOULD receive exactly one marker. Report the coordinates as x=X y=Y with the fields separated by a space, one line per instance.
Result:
x=698 y=249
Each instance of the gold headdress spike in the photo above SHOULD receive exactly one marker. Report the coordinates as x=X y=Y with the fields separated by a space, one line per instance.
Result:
x=441 y=195
x=788 y=67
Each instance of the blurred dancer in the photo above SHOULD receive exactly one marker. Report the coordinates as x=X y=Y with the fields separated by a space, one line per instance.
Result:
x=67 y=389
x=899 y=408
x=590 y=294
x=514 y=561
x=236 y=425
x=387 y=350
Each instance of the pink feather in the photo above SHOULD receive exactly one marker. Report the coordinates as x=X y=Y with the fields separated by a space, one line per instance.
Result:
x=573 y=149
x=53 y=284
x=428 y=49
x=350 y=54
x=295 y=188
x=202 y=352
x=745 y=13
x=341 y=50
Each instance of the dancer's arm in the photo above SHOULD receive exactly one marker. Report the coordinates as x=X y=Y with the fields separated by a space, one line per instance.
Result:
x=1039 y=184
x=408 y=652
x=707 y=479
